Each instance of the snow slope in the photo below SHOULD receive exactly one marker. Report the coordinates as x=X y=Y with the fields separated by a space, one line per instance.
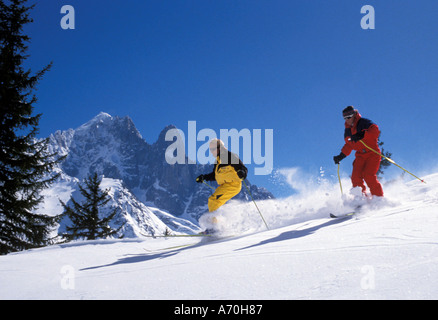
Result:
x=389 y=251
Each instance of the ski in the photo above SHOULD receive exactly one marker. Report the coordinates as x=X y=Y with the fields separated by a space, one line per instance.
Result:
x=344 y=215
x=171 y=248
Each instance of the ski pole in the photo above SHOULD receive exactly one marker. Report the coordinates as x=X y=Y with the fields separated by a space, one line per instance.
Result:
x=208 y=185
x=255 y=204
x=339 y=177
x=392 y=161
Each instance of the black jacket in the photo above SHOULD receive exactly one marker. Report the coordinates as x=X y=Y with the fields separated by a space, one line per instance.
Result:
x=233 y=161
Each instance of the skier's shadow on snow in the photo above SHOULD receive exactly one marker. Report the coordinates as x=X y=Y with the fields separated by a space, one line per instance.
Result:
x=138 y=258
x=294 y=234
x=135 y=259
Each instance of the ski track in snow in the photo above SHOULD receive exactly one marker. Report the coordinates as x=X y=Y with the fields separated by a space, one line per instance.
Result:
x=387 y=251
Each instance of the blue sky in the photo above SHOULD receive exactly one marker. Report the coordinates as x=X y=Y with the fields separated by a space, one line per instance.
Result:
x=290 y=66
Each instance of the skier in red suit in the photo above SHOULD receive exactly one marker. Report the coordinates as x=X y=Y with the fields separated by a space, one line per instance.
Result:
x=367 y=163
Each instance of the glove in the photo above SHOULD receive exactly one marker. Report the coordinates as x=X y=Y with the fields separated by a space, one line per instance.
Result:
x=339 y=158
x=358 y=136
x=200 y=179
x=241 y=174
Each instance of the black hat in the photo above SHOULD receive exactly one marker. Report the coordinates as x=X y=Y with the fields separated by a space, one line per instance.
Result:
x=348 y=111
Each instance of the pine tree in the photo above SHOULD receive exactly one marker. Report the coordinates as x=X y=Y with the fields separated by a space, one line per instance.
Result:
x=384 y=163
x=25 y=165
x=86 y=221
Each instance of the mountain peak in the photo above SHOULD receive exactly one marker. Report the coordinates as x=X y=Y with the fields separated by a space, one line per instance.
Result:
x=102 y=115
x=100 y=118
x=164 y=131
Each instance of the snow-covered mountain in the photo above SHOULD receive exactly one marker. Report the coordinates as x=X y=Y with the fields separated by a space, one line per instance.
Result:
x=388 y=251
x=137 y=218
x=144 y=186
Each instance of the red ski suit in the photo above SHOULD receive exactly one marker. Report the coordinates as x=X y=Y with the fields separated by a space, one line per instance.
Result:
x=367 y=163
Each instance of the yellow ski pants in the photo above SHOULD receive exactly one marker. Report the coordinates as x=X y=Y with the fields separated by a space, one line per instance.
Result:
x=222 y=194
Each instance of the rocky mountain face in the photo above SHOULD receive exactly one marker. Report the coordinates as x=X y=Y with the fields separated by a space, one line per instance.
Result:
x=113 y=147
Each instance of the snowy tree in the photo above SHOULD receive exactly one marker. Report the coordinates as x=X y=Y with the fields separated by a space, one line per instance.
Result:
x=25 y=165
x=87 y=222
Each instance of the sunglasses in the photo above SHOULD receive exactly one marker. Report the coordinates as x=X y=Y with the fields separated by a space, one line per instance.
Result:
x=348 y=117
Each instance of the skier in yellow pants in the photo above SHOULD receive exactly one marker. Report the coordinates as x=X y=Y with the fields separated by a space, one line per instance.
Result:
x=228 y=172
